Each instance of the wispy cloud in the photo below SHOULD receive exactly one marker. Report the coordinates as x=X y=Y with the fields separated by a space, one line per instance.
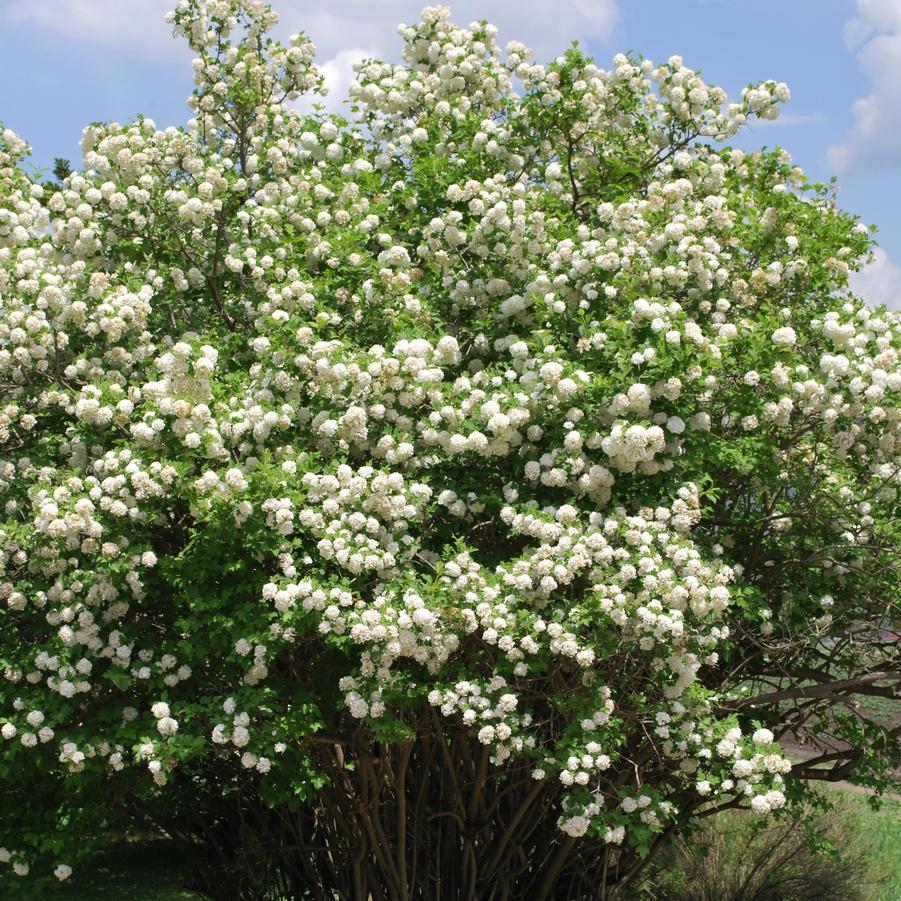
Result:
x=338 y=28
x=874 y=141
x=879 y=282
x=124 y=25
x=346 y=31
x=791 y=119
x=338 y=73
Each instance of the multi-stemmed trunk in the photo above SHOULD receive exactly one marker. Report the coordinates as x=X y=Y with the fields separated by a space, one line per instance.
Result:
x=429 y=818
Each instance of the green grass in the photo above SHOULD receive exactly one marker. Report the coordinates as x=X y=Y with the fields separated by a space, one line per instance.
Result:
x=878 y=836
x=883 y=710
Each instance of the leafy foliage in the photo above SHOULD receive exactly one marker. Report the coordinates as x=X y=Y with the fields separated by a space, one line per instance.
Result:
x=455 y=500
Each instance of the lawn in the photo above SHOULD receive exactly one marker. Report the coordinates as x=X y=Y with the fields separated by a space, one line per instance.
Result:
x=878 y=836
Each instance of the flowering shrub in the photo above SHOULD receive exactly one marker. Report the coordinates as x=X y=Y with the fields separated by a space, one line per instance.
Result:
x=451 y=502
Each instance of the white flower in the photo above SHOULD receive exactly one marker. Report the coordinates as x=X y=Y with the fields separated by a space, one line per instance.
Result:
x=167 y=726
x=486 y=735
x=784 y=337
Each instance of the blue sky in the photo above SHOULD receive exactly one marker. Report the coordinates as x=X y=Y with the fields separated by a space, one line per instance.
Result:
x=76 y=61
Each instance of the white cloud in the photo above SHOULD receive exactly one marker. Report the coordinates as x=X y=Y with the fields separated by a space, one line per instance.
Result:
x=790 y=119
x=879 y=282
x=337 y=28
x=346 y=31
x=338 y=74
x=875 y=139
x=874 y=16
x=132 y=25
x=548 y=28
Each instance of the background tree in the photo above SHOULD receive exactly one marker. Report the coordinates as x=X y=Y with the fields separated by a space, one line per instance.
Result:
x=454 y=502
x=62 y=168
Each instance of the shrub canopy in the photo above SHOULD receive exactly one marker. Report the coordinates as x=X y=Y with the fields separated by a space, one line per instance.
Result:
x=510 y=455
